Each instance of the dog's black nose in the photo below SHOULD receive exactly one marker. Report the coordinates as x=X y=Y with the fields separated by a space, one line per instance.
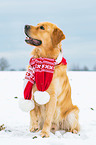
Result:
x=27 y=27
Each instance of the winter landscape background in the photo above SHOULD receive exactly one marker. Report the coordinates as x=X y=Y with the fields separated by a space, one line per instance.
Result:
x=77 y=19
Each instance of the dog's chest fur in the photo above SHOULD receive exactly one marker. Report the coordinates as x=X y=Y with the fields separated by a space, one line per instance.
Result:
x=56 y=87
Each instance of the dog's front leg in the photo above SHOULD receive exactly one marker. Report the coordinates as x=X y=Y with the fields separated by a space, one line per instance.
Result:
x=34 y=126
x=50 y=109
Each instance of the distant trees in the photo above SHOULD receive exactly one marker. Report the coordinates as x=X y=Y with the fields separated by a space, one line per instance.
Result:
x=94 y=68
x=85 y=68
x=3 y=64
x=75 y=68
x=78 y=68
x=22 y=69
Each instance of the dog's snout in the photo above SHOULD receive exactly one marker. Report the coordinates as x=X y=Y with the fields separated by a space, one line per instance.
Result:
x=27 y=27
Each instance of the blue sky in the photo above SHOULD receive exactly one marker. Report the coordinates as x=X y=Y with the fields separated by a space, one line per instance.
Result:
x=77 y=19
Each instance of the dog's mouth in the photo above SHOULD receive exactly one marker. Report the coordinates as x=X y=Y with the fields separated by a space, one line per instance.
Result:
x=33 y=41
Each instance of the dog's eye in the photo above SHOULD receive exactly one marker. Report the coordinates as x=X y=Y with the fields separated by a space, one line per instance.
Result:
x=41 y=27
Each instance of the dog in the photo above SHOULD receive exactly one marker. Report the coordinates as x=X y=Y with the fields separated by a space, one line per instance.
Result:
x=59 y=113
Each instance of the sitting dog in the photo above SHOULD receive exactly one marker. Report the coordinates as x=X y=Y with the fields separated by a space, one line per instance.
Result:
x=59 y=113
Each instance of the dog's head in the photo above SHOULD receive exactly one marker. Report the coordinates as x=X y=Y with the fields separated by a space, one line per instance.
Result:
x=44 y=35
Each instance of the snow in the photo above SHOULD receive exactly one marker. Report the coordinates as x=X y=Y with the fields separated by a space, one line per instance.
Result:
x=83 y=86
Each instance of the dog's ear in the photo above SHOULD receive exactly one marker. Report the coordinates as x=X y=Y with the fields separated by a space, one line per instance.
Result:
x=57 y=36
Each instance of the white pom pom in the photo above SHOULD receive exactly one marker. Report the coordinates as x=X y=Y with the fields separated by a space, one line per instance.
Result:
x=41 y=97
x=26 y=105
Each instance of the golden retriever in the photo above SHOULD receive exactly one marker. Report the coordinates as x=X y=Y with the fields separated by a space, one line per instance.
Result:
x=59 y=113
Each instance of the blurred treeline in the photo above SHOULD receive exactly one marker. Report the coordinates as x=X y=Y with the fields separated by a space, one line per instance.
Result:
x=4 y=66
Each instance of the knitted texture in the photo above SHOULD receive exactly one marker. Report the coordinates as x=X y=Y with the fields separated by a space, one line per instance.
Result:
x=40 y=72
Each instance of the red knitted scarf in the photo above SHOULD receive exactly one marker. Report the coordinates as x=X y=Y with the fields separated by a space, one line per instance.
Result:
x=40 y=72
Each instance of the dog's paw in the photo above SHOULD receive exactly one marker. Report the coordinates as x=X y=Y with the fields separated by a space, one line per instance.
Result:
x=53 y=127
x=74 y=131
x=34 y=129
x=44 y=134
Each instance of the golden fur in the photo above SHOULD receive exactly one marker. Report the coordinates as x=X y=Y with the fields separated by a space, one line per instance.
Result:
x=59 y=113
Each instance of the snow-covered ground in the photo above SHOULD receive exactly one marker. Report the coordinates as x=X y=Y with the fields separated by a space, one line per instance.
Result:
x=17 y=122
